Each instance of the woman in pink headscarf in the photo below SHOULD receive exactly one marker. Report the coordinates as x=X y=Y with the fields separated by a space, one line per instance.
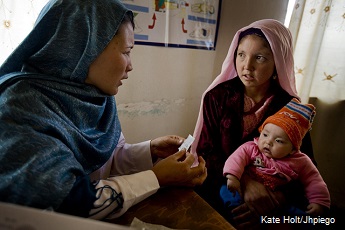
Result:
x=257 y=79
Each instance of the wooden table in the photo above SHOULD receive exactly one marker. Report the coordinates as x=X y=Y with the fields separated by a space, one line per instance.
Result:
x=179 y=208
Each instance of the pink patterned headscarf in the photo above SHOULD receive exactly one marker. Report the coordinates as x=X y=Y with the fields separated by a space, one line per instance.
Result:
x=280 y=40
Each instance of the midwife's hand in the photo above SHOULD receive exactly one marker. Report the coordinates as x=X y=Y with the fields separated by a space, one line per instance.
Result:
x=162 y=147
x=258 y=201
x=176 y=170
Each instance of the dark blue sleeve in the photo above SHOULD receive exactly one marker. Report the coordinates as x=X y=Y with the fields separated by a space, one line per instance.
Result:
x=81 y=198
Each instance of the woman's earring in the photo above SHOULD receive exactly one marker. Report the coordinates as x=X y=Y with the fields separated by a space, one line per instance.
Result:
x=274 y=77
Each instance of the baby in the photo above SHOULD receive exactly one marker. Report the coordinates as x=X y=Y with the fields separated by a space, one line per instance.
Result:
x=274 y=157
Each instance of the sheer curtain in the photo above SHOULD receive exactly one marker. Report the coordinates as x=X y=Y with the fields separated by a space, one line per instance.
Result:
x=17 y=18
x=318 y=28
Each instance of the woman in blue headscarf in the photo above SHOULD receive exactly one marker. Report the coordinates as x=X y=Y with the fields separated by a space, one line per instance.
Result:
x=61 y=145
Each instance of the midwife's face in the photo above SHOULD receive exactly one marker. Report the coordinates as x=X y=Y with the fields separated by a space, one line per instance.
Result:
x=114 y=63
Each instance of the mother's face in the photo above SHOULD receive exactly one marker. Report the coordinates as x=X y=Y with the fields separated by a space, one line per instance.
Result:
x=114 y=63
x=254 y=62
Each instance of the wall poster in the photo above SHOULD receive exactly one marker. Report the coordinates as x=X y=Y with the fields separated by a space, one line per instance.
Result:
x=176 y=23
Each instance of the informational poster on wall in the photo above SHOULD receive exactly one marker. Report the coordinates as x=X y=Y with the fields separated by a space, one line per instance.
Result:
x=176 y=23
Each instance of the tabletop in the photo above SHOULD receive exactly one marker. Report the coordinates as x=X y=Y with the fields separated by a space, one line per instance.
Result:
x=178 y=208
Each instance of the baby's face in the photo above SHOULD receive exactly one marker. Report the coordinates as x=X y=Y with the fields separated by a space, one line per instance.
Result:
x=274 y=142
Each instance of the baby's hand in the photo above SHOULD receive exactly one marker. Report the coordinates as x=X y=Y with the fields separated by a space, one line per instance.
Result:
x=315 y=209
x=233 y=184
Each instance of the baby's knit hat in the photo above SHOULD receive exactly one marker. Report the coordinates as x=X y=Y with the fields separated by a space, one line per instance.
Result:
x=295 y=119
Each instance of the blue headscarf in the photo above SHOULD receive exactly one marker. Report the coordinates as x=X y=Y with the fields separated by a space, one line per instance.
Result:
x=53 y=126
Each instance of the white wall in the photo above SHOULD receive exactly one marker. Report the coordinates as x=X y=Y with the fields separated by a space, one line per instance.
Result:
x=162 y=95
x=163 y=91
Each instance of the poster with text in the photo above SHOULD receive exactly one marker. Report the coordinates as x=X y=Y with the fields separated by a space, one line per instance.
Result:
x=176 y=23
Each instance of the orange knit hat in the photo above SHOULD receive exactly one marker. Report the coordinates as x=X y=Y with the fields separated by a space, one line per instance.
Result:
x=295 y=119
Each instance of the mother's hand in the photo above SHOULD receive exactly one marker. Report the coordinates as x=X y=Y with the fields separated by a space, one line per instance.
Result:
x=258 y=201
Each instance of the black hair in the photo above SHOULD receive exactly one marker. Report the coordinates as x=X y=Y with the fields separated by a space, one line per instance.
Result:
x=254 y=31
x=129 y=17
